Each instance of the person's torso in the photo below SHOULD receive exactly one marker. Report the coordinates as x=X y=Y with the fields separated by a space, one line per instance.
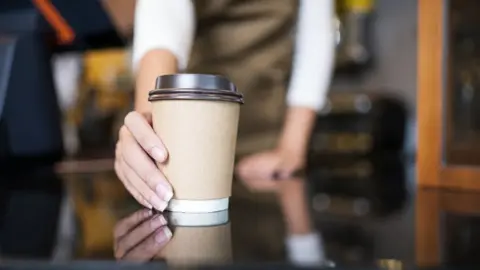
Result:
x=251 y=43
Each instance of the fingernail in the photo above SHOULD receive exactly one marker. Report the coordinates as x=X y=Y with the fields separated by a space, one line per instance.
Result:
x=158 y=222
x=164 y=235
x=168 y=196
x=164 y=192
x=158 y=154
x=158 y=204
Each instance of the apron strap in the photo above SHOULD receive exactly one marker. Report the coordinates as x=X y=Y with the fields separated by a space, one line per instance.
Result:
x=65 y=33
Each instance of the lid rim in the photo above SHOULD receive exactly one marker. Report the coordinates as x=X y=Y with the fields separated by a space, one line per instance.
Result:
x=193 y=80
x=184 y=86
x=193 y=96
x=193 y=91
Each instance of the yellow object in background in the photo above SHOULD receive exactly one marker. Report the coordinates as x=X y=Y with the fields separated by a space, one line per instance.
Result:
x=106 y=75
x=106 y=87
x=102 y=68
x=359 y=5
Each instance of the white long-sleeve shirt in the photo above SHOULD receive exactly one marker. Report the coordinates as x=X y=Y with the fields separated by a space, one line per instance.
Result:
x=170 y=25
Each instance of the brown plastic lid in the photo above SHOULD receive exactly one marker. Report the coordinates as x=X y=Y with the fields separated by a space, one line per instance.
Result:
x=195 y=87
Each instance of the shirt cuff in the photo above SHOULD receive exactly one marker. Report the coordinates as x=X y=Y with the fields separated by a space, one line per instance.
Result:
x=307 y=96
x=168 y=25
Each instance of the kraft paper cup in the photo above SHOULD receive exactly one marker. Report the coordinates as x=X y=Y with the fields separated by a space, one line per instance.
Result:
x=196 y=116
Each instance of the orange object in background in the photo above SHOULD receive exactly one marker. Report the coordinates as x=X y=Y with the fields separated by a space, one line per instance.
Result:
x=121 y=13
x=64 y=32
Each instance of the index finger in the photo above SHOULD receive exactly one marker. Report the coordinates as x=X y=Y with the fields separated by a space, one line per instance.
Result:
x=143 y=133
x=150 y=246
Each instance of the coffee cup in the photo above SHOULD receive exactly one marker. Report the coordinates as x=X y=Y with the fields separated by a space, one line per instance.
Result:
x=196 y=116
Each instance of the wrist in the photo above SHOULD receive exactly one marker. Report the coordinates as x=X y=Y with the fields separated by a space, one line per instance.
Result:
x=142 y=107
x=297 y=129
x=295 y=148
x=154 y=63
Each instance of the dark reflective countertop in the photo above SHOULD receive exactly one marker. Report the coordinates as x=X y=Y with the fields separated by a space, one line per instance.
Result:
x=348 y=213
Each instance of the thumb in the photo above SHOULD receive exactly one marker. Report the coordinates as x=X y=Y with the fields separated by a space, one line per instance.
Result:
x=289 y=169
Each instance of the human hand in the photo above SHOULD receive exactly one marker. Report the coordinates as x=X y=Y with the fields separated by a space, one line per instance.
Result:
x=140 y=236
x=136 y=146
x=259 y=171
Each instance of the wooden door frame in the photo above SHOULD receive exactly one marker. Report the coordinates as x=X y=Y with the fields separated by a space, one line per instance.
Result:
x=431 y=204
x=431 y=106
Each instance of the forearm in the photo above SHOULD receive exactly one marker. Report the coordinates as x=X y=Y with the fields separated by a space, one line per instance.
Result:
x=153 y=64
x=311 y=73
x=297 y=129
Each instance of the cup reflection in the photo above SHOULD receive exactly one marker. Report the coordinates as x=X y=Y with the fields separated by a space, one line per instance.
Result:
x=199 y=239
x=189 y=238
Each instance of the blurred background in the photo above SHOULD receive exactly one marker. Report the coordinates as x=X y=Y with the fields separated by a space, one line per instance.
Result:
x=361 y=186
x=376 y=61
x=364 y=134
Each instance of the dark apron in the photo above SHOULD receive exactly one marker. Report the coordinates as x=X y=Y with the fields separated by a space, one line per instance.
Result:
x=29 y=113
x=251 y=43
